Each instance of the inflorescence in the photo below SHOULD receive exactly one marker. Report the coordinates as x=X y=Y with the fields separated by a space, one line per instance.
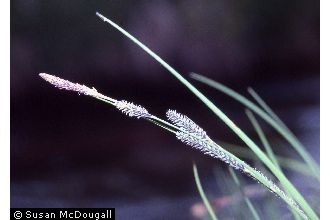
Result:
x=187 y=131
x=132 y=110
x=193 y=135
x=67 y=85
x=128 y=108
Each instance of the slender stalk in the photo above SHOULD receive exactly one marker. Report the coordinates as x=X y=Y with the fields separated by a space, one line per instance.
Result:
x=202 y=194
x=267 y=109
x=162 y=126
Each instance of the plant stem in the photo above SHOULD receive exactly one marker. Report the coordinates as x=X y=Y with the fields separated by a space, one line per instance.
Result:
x=202 y=194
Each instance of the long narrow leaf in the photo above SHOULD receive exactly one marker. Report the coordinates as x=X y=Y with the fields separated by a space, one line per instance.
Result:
x=202 y=194
x=267 y=109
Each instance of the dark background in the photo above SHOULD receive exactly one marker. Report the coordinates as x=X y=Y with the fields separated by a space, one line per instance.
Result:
x=74 y=151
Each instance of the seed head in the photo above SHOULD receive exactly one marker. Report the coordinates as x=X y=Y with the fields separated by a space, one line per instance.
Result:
x=207 y=147
x=67 y=85
x=193 y=135
x=132 y=110
x=186 y=124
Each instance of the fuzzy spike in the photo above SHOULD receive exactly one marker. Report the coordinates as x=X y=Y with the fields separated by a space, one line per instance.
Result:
x=70 y=86
x=186 y=124
x=132 y=110
x=207 y=148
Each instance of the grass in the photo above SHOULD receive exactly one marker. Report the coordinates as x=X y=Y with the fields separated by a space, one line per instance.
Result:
x=191 y=134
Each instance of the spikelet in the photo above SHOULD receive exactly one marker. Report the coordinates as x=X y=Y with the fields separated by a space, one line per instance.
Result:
x=67 y=85
x=208 y=148
x=196 y=137
x=186 y=124
x=132 y=110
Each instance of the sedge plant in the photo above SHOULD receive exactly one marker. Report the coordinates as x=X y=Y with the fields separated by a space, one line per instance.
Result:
x=223 y=117
x=185 y=130
x=191 y=134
